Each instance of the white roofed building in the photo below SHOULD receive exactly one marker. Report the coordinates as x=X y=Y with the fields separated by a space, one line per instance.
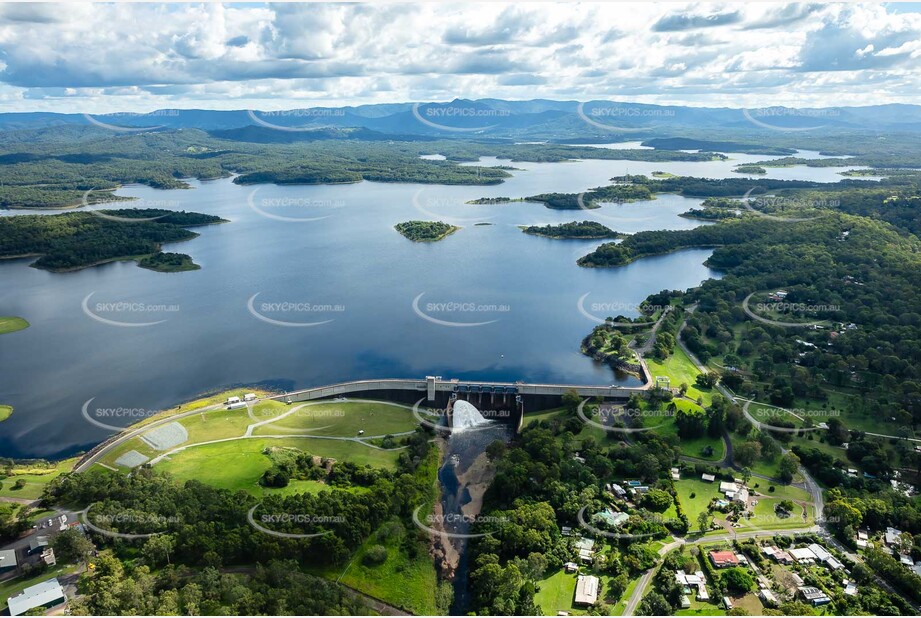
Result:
x=46 y=594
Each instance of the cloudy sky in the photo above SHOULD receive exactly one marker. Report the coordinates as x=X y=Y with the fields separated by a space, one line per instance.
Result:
x=140 y=57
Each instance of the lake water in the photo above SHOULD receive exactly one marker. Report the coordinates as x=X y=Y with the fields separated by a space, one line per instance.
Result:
x=309 y=285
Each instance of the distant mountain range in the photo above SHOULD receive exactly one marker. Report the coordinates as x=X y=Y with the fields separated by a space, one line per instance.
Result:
x=484 y=118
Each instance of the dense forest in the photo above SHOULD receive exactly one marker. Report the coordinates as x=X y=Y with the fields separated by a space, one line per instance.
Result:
x=575 y=229
x=207 y=556
x=76 y=240
x=425 y=231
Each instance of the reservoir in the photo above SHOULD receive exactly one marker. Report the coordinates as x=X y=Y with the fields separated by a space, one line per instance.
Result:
x=310 y=285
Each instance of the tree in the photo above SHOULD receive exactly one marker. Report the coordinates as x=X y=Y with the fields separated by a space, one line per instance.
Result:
x=789 y=464
x=737 y=579
x=71 y=546
x=657 y=500
x=654 y=604
x=747 y=453
x=703 y=521
x=157 y=549
x=571 y=401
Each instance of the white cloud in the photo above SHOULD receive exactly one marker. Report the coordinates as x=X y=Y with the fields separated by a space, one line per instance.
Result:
x=107 y=57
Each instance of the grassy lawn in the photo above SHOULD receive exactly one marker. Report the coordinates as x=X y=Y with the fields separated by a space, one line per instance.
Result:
x=679 y=368
x=36 y=478
x=12 y=324
x=691 y=447
x=544 y=415
x=238 y=465
x=5 y=412
x=701 y=608
x=399 y=580
x=703 y=493
x=750 y=603
x=344 y=419
x=12 y=587
x=557 y=593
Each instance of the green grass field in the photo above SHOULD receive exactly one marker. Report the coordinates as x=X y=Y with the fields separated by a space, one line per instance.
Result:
x=557 y=593
x=35 y=477
x=238 y=465
x=679 y=369
x=665 y=426
x=344 y=419
x=703 y=493
x=5 y=412
x=12 y=324
x=399 y=580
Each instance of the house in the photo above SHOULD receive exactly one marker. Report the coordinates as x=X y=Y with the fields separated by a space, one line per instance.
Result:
x=917 y=568
x=783 y=557
x=726 y=487
x=850 y=588
x=611 y=517
x=586 y=590
x=797 y=579
x=567 y=531
x=619 y=491
x=570 y=567
x=685 y=602
x=693 y=580
x=906 y=560
x=7 y=560
x=740 y=496
x=893 y=536
x=46 y=594
x=814 y=596
x=585 y=547
x=722 y=559
x=821 y=554
x=803 y=555
x=708 y=477
x=676 y=474
x=767 y=598
x=863 y=535
x=249 y=397
x=834 y=564
x=37 y=544
x=48 y=557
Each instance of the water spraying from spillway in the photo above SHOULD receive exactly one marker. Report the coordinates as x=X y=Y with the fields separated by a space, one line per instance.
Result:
x=465 y=416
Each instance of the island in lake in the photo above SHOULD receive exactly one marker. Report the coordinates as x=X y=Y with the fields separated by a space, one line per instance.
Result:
x=749 y=169
x=77 y=240
x=168 y=262
x=10 y=324
x=425 y=231
x=575 y=229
